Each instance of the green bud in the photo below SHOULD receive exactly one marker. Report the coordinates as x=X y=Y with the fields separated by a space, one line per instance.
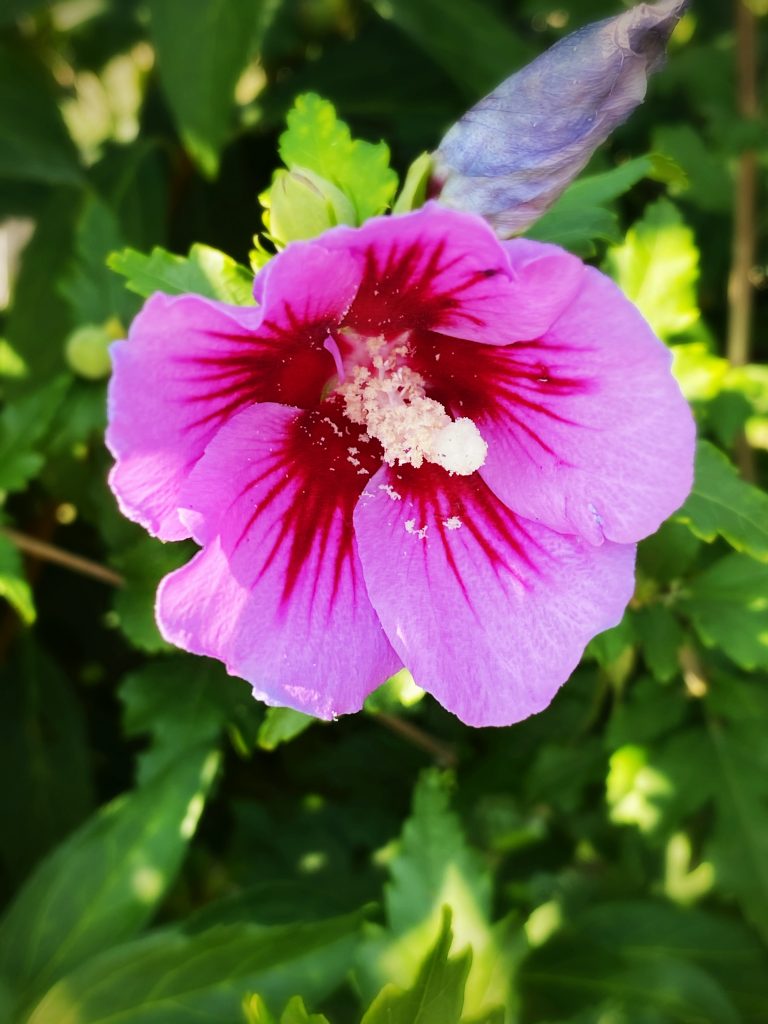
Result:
x=87 y=349
x=301 y=205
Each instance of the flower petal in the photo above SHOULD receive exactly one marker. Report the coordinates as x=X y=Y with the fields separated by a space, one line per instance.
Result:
x=490 y=612
x=437 y=270
x=278 y=593
x=587 y=430
x=514 y=152
x=190 y=364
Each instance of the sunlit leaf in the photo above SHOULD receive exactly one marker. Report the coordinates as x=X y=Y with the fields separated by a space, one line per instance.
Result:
x=102 y=885
x=13 y=583
x=172 y=978
x=657 y=267
x=318 y=141
x=433 y=868
x=205 y=271
x=281 y=725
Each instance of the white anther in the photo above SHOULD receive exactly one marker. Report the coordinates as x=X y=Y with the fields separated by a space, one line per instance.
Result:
x=391 y=403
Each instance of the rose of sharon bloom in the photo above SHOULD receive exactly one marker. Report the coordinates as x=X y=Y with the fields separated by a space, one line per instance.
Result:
x=424 y=447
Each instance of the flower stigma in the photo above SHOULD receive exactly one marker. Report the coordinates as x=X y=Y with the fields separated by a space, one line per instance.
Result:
x=389 y=399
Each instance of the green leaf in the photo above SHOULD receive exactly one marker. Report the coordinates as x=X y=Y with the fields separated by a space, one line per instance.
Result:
x=40 y=319
x=143 y=565
x=296 y=1013
x=257 y=1012
x=728 y=605
x=13 y=9
x=709 y=185
x=23 y=424
x=468 y=40
x=660 y=637
x=721 y=504
x=201 y=50
x=34 y=144
x=582 y=216
x=646 y=961
x=204 y=271
x=435 y=868
x=413 y=194
x=437 y=995
x=281 y=725
x=13 y=583
x=180 y=702
x=104 y=883
x=172 y=978
x=42 y=728
x=316 y=140
x=657 y=267
x=94 y=293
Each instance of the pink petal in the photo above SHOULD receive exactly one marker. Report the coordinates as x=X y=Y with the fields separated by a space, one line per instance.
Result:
x=490 y=612
x=587 y=430
x=190 y=364
x=278 y=593
x=435 y=269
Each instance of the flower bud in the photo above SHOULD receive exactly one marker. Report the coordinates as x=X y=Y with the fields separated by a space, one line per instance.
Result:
x=301 y=204
x=87 y=349
x=512 y=155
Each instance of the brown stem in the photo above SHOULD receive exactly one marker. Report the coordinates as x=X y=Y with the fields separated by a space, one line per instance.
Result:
x=744 y=245
x=443 y=753
x=45 y=552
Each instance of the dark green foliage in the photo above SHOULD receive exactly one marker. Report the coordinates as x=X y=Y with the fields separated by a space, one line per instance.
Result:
x=606 y=861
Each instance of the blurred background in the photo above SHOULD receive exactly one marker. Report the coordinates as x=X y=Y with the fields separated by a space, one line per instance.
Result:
x=607 y=861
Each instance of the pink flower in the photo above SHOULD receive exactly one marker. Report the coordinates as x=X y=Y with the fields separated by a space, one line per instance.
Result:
x=424 y=447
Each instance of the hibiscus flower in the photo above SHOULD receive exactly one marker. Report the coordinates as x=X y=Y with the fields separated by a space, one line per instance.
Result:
x=423 y=447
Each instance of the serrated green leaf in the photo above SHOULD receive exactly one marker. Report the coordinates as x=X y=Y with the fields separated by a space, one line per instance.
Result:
x=204 y=271
x=34 y=144
x=201 y=51
x=23 y=424
x=13 y=583
x=180 y=702
x=582 y=216
x=660 y=637
x=318 y=141
x=102 y=885
x=296 y=1013
x=281 y=725
x=437 y=995
x=721 y=504
x=728 y=605
x=657 y=267
x=143 y=565
x=434 y=868
x=172 y=978
x=94 y=293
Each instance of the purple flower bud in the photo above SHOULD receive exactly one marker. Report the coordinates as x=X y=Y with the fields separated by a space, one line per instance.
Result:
x=511 y=156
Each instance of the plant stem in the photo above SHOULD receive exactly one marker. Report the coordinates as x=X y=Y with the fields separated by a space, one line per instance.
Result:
x=45 y=552
x=740 y=288
x=443 y=753
x=744 y=245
